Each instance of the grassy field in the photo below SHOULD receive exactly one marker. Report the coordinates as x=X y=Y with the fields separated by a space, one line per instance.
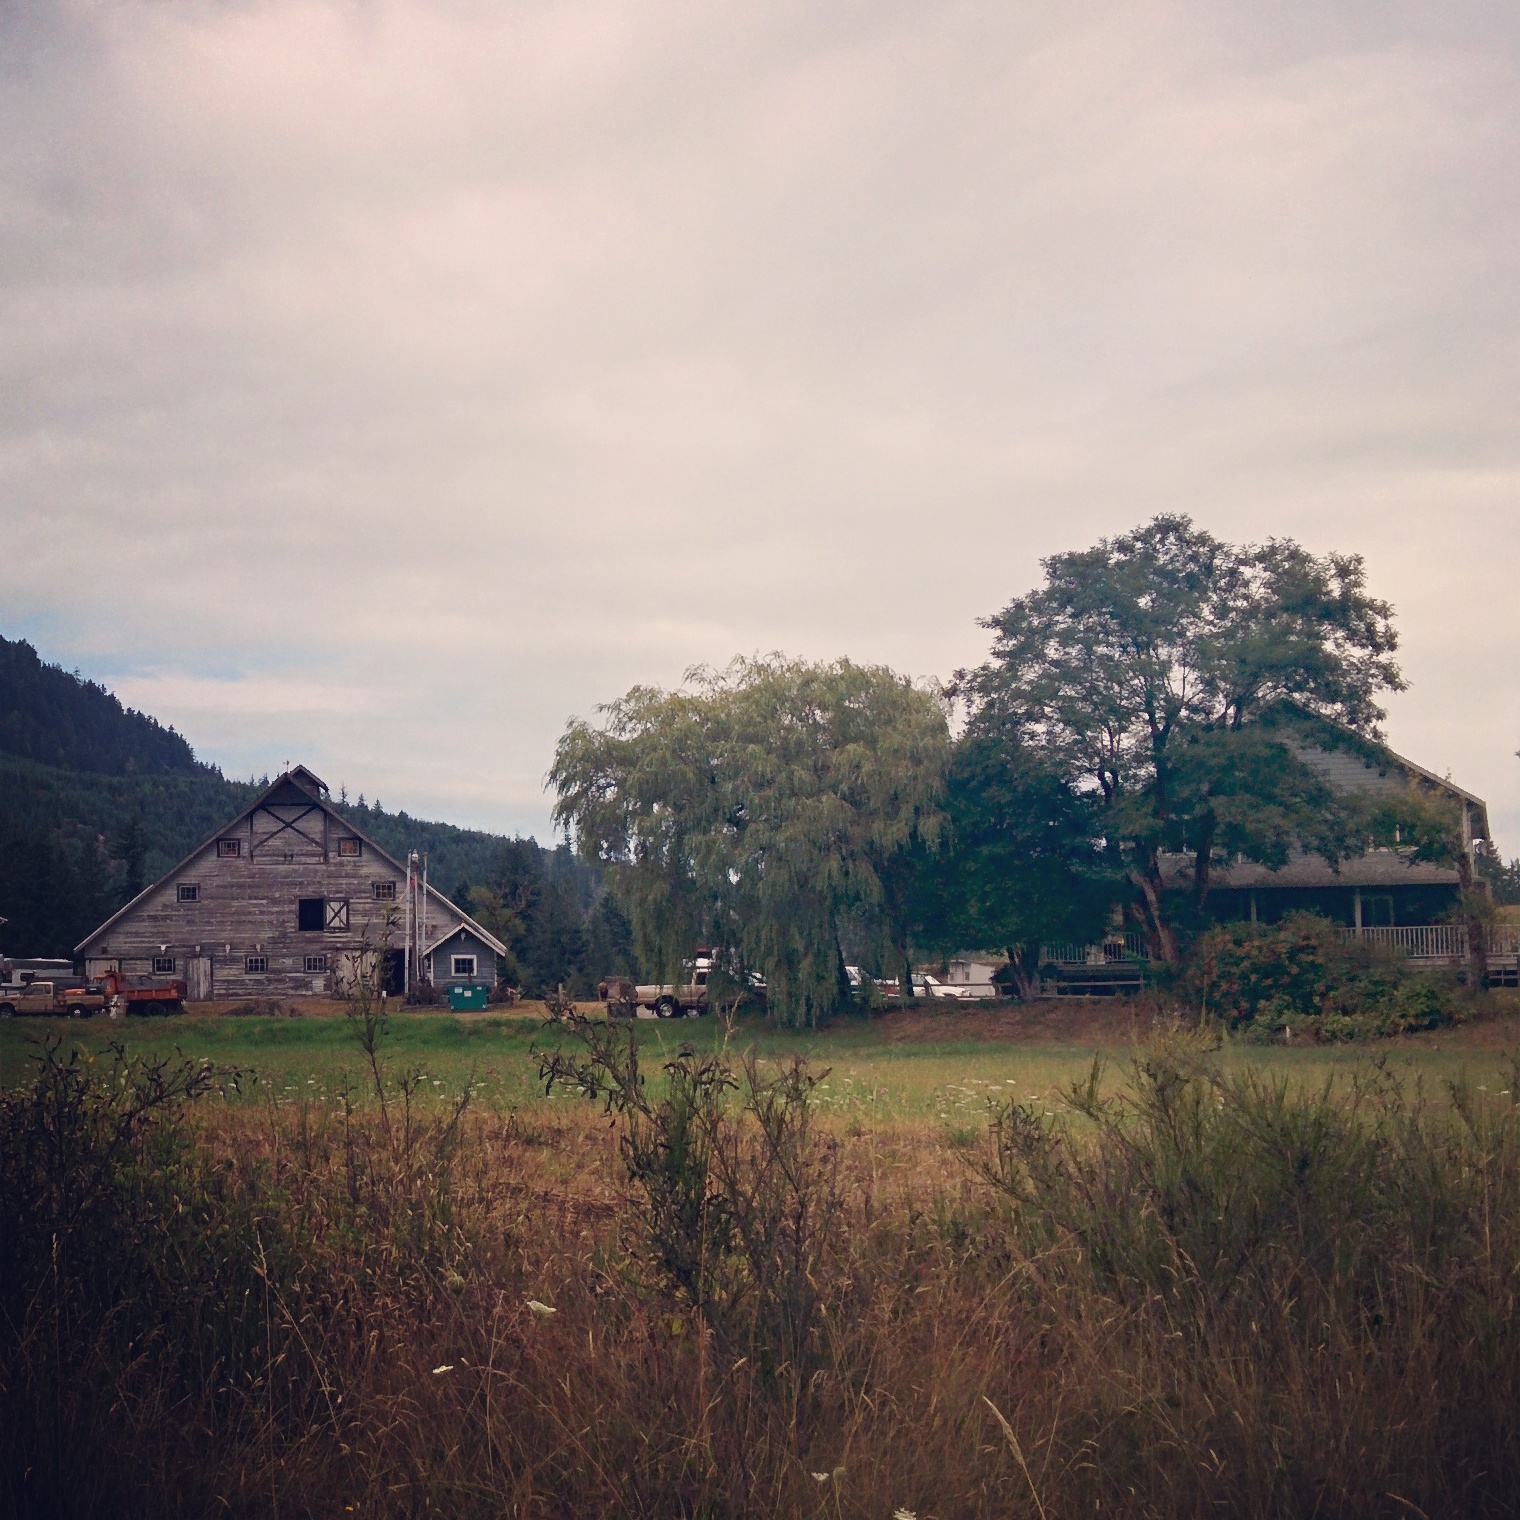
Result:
x=918 y=1065
x=752 y=1298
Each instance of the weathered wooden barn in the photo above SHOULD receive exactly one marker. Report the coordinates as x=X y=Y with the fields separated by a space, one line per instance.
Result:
x=282 y=901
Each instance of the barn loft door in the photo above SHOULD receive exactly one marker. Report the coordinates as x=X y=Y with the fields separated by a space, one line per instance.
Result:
x=288 y=832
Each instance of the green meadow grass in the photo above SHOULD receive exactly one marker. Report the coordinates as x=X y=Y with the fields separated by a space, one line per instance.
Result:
x=867 y=1080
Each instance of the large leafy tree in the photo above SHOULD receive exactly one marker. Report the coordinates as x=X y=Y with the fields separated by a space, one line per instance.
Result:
x=766 y=808
x=1025 y=863
x=1149 y=670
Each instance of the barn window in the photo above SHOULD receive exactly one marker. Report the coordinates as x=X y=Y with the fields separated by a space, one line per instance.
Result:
x=464 y=965
x=347 y=845
x=256 y=965
x=228 y=849
x=383 y=891
x=316 y=963
x=188 y=893
x=310 y=914
x=337 y=914
x=163 y=965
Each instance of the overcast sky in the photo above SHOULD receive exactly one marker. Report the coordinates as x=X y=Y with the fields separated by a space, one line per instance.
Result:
x=385 y=383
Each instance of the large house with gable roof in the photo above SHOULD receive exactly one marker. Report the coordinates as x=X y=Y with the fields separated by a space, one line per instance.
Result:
x=281 y=901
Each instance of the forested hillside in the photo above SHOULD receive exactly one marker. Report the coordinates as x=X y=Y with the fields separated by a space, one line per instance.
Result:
x=48 y=715
x=97 y=801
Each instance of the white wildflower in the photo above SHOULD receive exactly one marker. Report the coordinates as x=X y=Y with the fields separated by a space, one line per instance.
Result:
x=820 y=1477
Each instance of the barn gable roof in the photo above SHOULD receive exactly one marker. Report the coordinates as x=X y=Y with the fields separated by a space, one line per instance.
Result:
x=297 y=786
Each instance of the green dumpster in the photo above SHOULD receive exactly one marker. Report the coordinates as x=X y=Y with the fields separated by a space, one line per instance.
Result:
x=465 y=995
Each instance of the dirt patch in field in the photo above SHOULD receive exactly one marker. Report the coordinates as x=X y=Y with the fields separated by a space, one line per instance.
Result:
x=1494 y=1025
x=1054 y=1021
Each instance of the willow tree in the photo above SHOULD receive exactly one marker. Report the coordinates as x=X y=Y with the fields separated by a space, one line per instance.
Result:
x=766 y=809
x=1147 y=672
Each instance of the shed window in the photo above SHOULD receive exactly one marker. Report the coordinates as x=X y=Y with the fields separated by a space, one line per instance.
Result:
x=383 y=891
x=188 y=893
x=464 y=965
x=163 y=965
x=316 y=963
x=310 y=914
x=347 y=845
x=256 y=965
x=337 y=914
x=228 y=849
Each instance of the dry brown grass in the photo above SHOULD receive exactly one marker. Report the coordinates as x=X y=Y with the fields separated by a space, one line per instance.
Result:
x=309 y=1312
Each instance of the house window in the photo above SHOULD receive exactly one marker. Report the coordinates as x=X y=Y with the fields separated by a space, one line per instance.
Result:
x=163 y=965
x=256 y=965
x=383 y=891
x=337 y=914
x=228 y=849
x=349 y=846
x=311 y=913
x=187 y=893
x=464 y=965
x=316 y=963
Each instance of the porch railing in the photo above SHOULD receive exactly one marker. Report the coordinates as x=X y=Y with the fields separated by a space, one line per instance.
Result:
x=1421 y=942
x=1117 y=947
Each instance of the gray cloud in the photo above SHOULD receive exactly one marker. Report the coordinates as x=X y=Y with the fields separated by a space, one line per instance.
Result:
x=386 y=383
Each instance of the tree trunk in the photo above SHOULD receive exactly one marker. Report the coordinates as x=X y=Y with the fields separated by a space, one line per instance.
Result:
x=907 y=977
x=1474 y=919
x=843 y=999
x=1202 y=860
x=1024 y=963
x=1158 y=929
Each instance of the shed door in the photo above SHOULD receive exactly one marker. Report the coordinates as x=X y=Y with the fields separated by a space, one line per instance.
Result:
x=198 y=978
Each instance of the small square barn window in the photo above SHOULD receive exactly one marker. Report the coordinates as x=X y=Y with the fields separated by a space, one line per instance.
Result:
x=228 y=849
x=163 y=965
x=316 y=963
x=349 y=846
x=464 y=965
x=384 y=891
x=337 y=914
x=256 y=965
x=187 y=893
x=310 y=913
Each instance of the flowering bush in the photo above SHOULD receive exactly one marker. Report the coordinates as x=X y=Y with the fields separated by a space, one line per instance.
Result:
x=1305 y=975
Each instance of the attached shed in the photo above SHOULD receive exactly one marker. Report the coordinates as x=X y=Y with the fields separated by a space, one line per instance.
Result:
x=464 y=956
x=282 y=901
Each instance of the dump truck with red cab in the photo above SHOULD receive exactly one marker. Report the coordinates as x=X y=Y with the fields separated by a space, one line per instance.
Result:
x=145 y=995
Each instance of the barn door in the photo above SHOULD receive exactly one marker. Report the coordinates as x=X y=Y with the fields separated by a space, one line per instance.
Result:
x=198 y=978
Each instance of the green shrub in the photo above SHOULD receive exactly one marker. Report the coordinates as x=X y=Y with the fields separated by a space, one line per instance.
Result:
x=1305 y=976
